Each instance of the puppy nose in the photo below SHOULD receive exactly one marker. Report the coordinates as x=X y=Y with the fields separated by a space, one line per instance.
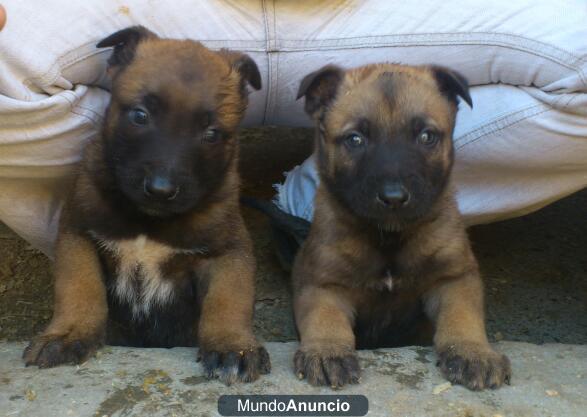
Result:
x=159 y=186
x=393 y=195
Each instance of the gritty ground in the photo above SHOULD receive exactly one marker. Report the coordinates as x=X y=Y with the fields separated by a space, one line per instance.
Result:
x=534 y=267
x=549 y=380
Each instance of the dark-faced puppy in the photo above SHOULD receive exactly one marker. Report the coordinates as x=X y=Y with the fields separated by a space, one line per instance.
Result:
x=152 y=249
x=387 y=261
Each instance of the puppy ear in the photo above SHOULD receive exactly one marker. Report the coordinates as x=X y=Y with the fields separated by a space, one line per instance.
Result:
x=452 y=84
x=320 y=87
x=125 y=43
x=245 y=66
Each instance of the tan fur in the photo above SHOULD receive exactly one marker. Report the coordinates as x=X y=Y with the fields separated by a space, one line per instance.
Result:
x=224 y=318
x=201 y=258
x=145 y=256
x=80 y=308
x=339 y=276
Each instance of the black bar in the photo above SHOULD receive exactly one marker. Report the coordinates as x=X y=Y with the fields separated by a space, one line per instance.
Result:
x=293 y=405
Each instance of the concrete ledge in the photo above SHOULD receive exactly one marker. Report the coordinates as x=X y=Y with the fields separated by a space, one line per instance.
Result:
x=548 y=380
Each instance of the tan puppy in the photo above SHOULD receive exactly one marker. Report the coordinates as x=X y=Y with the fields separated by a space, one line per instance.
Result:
x=387 y=261
x=152 y=249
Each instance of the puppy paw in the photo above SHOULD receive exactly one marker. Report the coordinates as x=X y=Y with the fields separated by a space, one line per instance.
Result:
x=235 y=365
x=475 y=366
x=49 y=350
x=331 y=367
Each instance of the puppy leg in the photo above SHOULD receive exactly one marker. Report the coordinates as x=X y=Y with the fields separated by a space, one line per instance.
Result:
x=465 y=356
x=77 y=328
x=227 y=347
x=326 y=355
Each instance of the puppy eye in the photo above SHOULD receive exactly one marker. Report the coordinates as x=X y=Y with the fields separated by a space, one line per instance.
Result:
x=211 y=135
x=427 y=138
x=138 y=116
x=355 y=140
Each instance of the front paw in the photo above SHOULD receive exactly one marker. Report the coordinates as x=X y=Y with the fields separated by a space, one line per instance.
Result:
x=235 y=365
x=333 y=367
x=49 y=350
x=474 y=365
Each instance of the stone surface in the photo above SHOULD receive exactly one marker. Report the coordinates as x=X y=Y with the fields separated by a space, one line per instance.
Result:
x=548 y=380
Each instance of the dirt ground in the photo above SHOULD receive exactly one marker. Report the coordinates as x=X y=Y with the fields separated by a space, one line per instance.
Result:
x=534 y=267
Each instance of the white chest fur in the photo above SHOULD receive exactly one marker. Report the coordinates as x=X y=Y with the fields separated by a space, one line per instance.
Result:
x=139 y=281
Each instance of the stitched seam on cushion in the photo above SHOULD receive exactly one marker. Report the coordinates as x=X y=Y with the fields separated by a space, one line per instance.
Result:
x=273 y=56
x=274 y=42
x=426 y=36
x=343 y=43
x=274 y=105
x=61 y=64
x=96 y=117
x=64 y=96
x=396 y=44
x=266 y=27
x=94 y=122
x=65 y=60
x=496 y=121
x=72 y=109
x=578 y=70
x=493 y=131
x=56 y=69
x=395 y=40
x=573 y=98
x=270 y=97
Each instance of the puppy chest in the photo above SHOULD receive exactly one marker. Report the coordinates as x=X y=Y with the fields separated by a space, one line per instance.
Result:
x=139 y=275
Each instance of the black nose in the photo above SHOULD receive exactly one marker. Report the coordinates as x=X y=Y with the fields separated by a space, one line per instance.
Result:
x=159 y=186
x=393 y=195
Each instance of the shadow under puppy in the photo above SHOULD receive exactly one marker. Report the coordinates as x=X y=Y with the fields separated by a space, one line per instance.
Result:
x=152 y=249
x=387 y=261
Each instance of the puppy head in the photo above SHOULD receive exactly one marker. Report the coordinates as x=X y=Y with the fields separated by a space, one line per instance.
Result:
x=169 y=135
x=385 y=136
